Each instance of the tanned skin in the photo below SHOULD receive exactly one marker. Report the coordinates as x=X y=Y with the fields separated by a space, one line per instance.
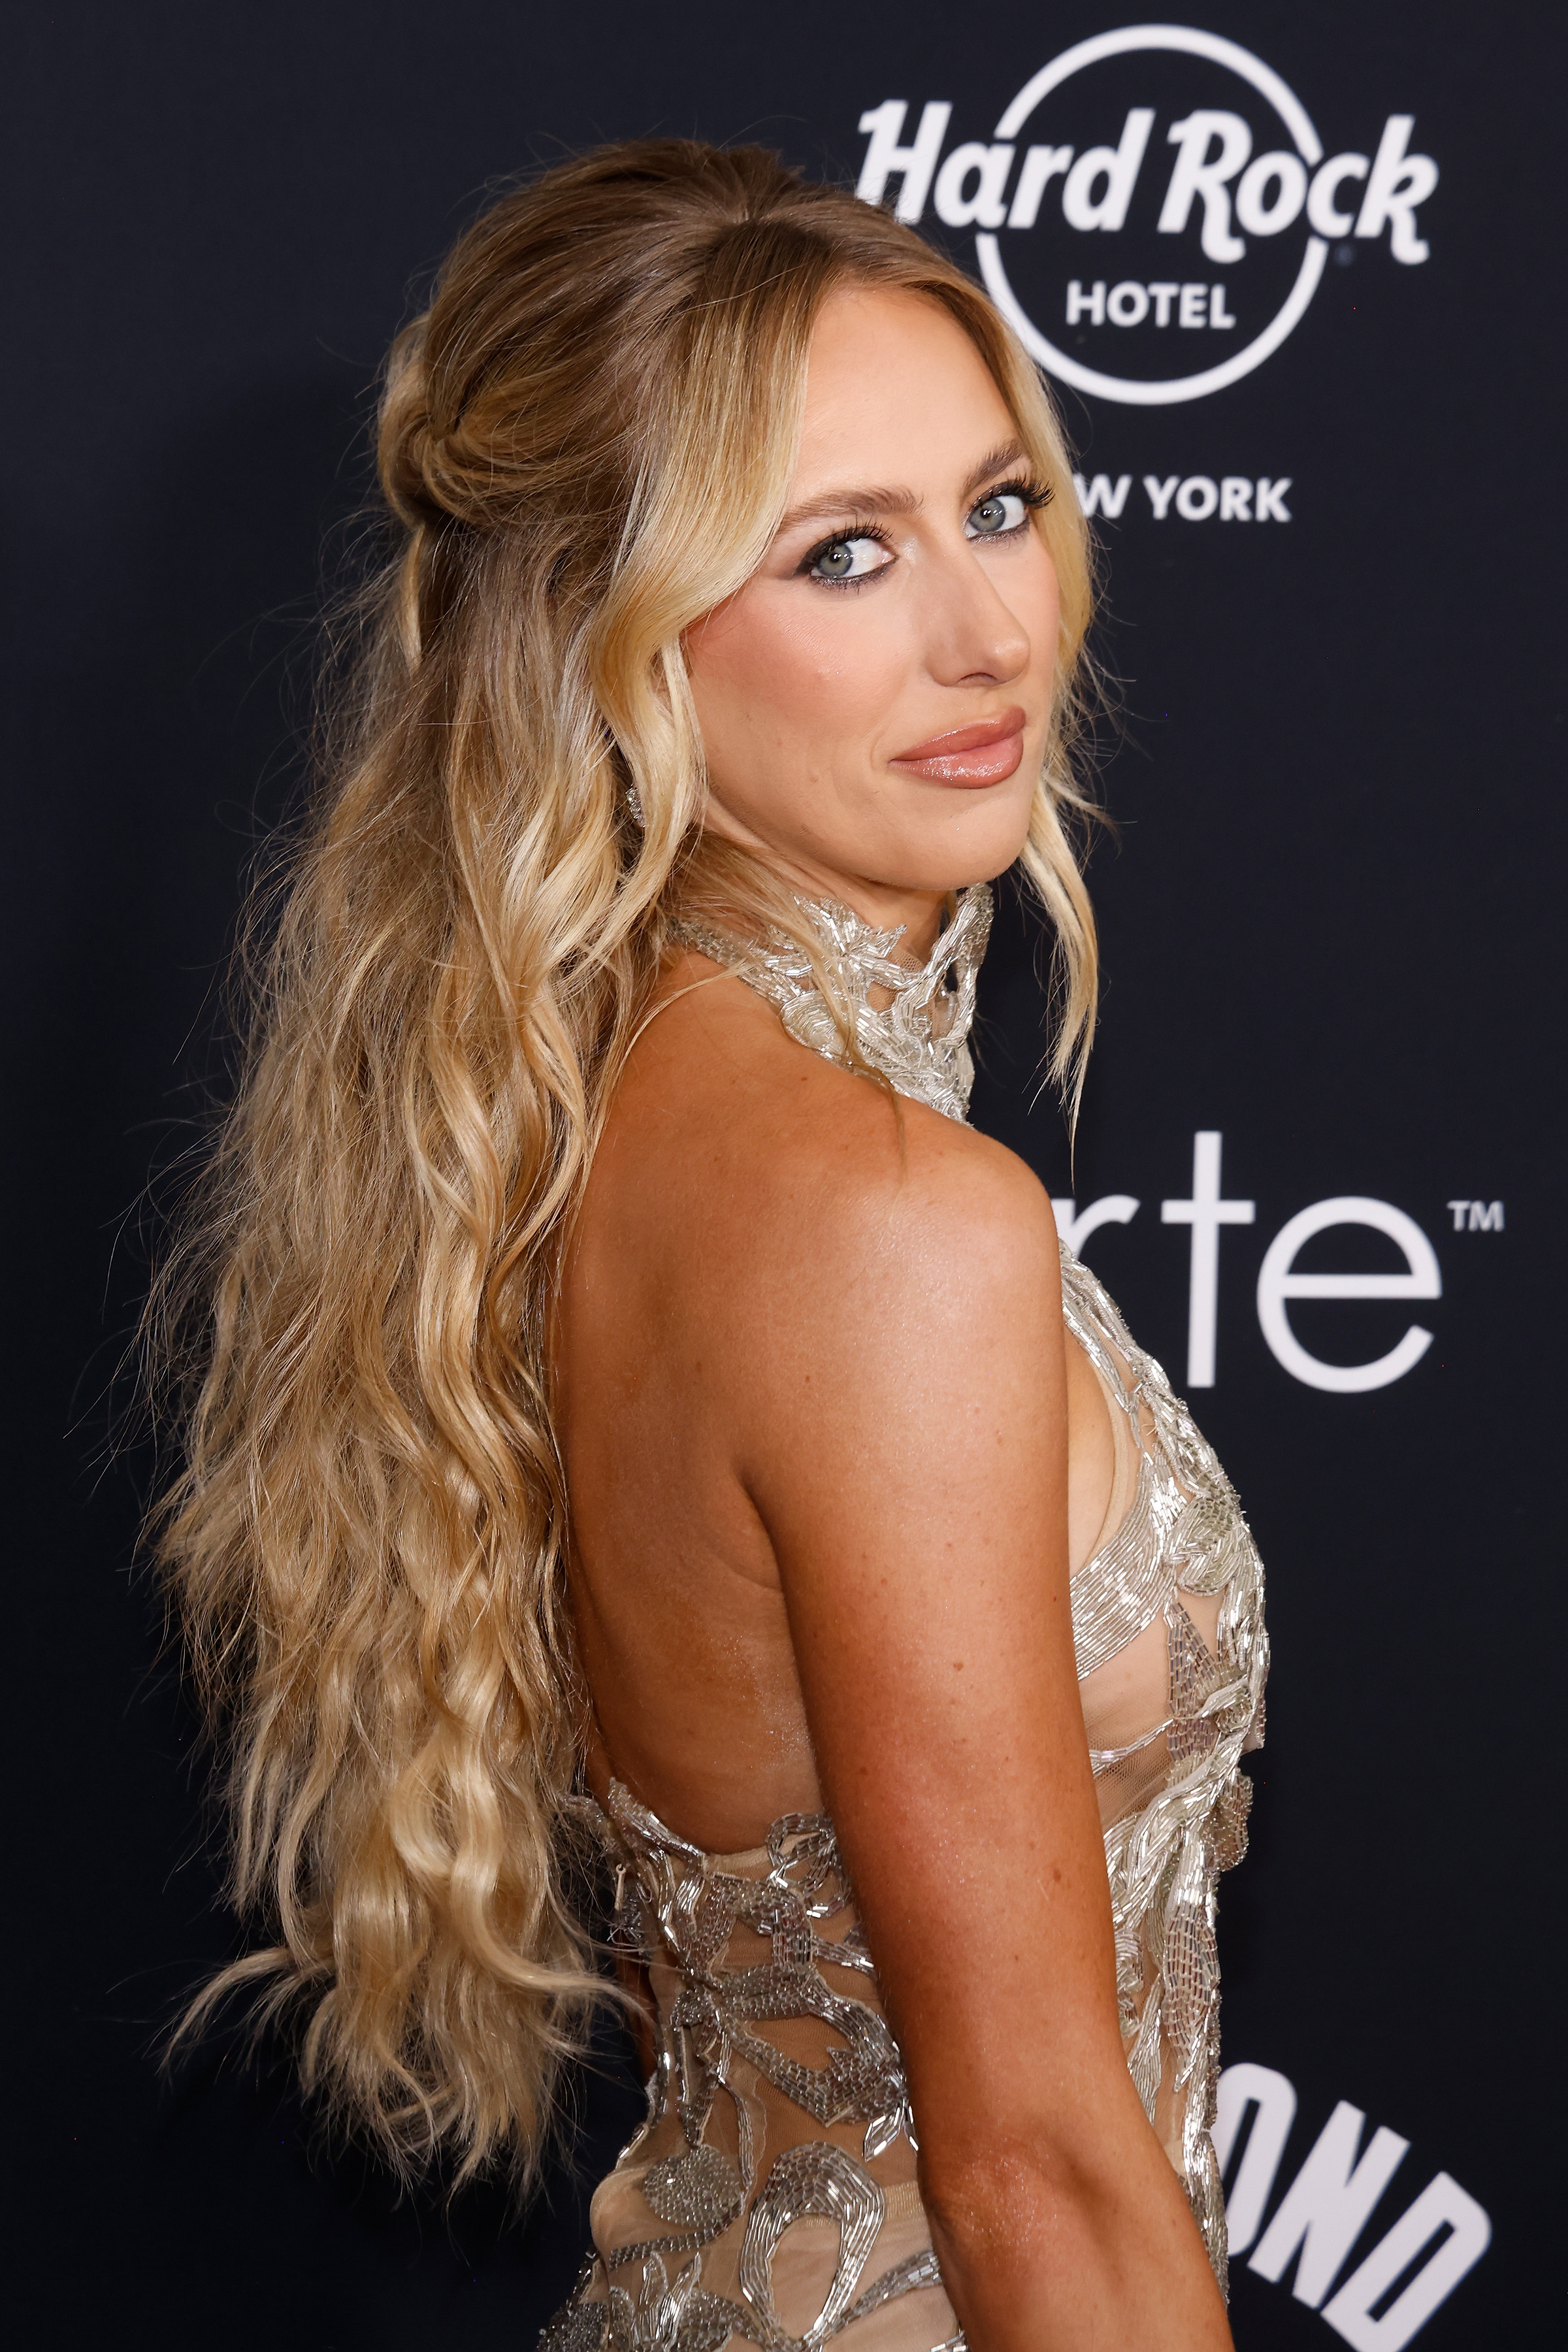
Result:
x=831 y=1455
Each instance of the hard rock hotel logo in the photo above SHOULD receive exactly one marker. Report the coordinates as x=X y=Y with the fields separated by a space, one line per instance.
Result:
x=1220 y=197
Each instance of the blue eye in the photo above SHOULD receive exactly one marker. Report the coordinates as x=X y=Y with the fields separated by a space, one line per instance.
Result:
x=994 y=517
x=846 y=559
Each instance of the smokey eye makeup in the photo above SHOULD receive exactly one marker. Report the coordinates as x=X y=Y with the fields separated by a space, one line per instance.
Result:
x=992 y=516
x=849 y=556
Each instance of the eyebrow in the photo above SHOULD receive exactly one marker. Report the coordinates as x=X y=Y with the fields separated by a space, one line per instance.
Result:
x=867 y=498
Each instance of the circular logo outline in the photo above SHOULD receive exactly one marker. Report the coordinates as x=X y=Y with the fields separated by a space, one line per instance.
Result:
x=1131 y=390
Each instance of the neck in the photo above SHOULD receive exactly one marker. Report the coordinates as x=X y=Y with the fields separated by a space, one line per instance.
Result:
x=920 y=911
x=905 y=1018
x=883 y=904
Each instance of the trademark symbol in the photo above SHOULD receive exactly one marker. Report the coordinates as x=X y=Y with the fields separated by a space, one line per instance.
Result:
x=1476 y=1216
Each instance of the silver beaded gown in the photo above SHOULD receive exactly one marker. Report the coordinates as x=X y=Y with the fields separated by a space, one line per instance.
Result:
x=771 y=2198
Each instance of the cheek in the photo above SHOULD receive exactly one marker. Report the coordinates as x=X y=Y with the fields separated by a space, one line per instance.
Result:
x=1042 y=615
x=798 y=665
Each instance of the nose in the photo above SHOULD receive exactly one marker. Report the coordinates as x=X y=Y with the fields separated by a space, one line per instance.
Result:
x=975 y=637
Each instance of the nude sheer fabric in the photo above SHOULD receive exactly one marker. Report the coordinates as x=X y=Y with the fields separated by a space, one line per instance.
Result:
x=771 y=2198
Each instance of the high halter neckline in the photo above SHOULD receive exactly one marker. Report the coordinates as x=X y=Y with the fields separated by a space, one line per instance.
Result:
x=918 y=1041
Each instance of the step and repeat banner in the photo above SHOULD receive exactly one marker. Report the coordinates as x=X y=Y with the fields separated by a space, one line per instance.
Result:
x=1291 y=275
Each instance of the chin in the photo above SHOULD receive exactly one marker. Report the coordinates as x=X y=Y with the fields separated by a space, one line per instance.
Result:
x=976 y=845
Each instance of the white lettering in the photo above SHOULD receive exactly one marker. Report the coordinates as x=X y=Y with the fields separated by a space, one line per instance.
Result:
x=1259 y=217
x=1458 y=1208
x=1118 y=166
x=1074 y=1225
x=1442 y=2203
x=1129 y=302
x=1196 y=174
x=1486 y=1217
x=988 y=205
x=1195 y=501
x=1271 y=506
x=915 y=165
x=1398 y=184
x=1327 y=2204
x=1040 y=165
x=1101 y=498
x=1327 y=180
x=1236 y=499
x=1277 y=1282
x=1160 y=493
x=1205 y=1212
x=1273 y=2096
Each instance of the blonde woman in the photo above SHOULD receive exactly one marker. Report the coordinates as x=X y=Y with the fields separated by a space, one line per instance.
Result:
x=636 y=1402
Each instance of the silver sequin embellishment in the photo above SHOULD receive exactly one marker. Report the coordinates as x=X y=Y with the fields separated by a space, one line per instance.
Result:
x=919 y=1043
x=1183 y=1533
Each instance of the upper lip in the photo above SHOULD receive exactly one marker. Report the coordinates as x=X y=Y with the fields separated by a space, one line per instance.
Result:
x=969 y=739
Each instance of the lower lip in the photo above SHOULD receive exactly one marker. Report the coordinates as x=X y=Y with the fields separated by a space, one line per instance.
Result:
x=988 y=763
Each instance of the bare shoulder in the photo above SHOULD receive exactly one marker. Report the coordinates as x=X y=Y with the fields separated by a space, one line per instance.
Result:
x=911 y=1194
x=829 y=1206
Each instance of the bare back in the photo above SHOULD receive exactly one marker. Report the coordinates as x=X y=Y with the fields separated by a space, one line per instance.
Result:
x=729 y=1191
x=844 y=1483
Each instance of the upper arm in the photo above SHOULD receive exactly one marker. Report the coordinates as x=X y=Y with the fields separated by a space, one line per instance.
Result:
x=911 y=1472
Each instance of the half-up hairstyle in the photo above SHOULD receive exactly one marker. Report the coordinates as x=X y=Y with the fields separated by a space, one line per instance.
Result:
x=586 y=445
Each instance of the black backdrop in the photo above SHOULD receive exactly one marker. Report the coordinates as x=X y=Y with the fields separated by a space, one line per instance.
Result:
x=1327 y=931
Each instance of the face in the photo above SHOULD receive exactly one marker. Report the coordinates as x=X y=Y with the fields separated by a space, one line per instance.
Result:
x=874 y=701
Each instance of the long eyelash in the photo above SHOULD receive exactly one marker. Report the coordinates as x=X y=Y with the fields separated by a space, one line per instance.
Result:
x=837 y=538
x=1035 y=494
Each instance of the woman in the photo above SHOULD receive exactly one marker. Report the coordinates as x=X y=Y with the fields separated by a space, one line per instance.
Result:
x=638 y=1400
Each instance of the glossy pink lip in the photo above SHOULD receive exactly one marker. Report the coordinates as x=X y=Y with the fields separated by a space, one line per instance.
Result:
x=984 y=754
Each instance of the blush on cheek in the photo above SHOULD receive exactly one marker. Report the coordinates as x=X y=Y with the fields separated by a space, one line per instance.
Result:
x=843 y=670
x=772 y=674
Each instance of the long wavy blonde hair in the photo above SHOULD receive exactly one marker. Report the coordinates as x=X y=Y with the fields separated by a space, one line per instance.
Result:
x=586 y=442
